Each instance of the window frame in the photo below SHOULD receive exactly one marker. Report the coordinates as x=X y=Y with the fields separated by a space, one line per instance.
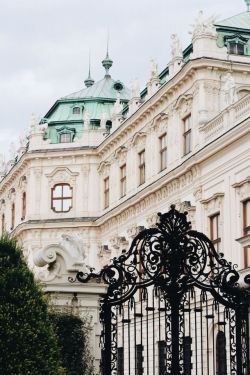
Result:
x=65 y=134
x=13 y=214
x=62 y=198
x=106 y=190
x=76 y=113
x=187 y=135
x=246 y=231
x=142 y=167
x=163 y=152
x=216 y=241
x=123 y=180
x=24 y=205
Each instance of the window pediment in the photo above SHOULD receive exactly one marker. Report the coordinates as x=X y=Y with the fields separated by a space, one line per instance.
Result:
x=62 y=174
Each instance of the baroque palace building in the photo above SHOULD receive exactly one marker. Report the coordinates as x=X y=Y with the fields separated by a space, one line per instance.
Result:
x=105 y=160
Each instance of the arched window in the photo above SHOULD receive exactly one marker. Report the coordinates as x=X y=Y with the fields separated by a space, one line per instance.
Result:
x=76 y=111
x=3 y=223
x=23 y=206
x=221 y=354
x=13 y=212
x=61 y=198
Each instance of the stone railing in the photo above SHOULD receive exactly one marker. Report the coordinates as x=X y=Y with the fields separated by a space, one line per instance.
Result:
x=227 y=119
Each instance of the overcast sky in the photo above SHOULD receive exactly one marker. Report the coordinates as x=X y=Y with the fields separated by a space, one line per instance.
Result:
x=44 y=47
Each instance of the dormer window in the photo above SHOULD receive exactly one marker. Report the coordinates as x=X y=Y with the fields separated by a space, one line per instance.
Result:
x=236 y=48
x=65 y=138
x=76 y=111
x=236 y=44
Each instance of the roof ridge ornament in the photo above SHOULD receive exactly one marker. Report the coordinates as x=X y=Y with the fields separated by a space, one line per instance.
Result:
x=107 y=62
x=89 y=81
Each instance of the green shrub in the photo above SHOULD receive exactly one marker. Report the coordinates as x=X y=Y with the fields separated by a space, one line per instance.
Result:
x=73 y=342
x=28 y=344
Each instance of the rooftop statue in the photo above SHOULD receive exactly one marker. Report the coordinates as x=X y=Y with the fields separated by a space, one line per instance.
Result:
x=153 y=69
x=118 y=107
x=203 y=26
x=86 y=119
x=176 y=49
x=135 y=89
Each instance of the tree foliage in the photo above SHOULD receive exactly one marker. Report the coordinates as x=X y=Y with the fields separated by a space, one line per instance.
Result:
x=73 y=342
x=28 y=344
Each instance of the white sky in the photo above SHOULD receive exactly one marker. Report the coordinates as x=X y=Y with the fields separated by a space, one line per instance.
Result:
x=44 y=47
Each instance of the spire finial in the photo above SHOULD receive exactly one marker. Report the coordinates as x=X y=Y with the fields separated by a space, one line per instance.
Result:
x=89 y=81
x=248 y=5
x=107 y=62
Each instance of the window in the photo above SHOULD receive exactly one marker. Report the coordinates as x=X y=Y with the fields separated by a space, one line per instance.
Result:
x=163 y=152
x=120 y=361
x=3 y=223
x=221 y=354
x=162 y=357
x=123 y=180
x=141 y=167
x=215 y=233
x=235 y=48
x=187 y=135
x=246 y=230
x=23 y=206
x=13 y=212
x=106 y=192
x=61 y=198
x=139 y=359
x=76 y=111
x=65 y=138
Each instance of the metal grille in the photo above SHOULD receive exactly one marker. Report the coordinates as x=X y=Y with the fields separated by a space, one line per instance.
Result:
x=174 y=305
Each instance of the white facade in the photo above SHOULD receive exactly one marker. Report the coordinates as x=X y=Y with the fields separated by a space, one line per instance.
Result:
x=212 y=91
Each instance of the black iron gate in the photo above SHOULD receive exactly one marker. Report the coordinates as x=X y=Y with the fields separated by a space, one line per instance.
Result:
x=173 y=306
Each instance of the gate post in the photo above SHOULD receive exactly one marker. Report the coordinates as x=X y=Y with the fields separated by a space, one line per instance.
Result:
x=106 y=352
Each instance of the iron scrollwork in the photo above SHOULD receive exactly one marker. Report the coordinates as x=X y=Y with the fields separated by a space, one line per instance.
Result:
x=174 y=259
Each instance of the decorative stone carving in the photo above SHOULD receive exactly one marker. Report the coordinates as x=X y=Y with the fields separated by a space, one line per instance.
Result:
x=134 y=230
x=2 y=166
x=213 y=204
x=86 y=120
x=184 y=104
x=229 y=94
x=62 y=174
x=203 y=26
x=135 y=89
x=104 y=168
x=104 y=255
x=121 y=154
x=243 y=189
x=197 y=193
x=139 y=140
x=118 y=107
x=73 y=244
x=152 y=220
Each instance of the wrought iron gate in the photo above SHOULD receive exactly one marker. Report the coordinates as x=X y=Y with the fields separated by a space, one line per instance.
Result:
x=173 y=306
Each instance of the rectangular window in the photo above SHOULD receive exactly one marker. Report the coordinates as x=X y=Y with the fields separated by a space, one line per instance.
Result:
x=13 y=212
x=65 y=138
x=123 y=180
x=139 y=359
x=215 y=233
x=163 y=152
x=246 y=231
x=23 y=206
x=162 y=357
x=187 y=135
x=61 y=198
x=141 y=167
x=120 y=361
x=106 y=192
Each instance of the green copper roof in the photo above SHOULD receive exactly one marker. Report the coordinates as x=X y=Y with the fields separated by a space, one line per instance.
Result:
x=107 y=88
x=240 y=21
